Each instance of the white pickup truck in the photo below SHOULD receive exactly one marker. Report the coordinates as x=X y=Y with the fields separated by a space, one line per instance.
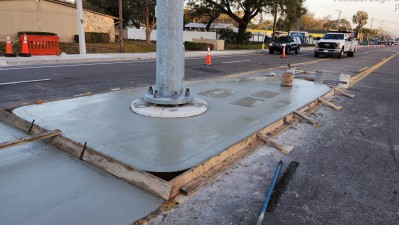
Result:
x=336 y=44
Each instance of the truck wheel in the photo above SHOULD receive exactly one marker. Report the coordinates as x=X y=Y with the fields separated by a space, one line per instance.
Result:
x=297 y=50
x=316 y=55
x=271 y=51
x=341 y=54
x=351 y=54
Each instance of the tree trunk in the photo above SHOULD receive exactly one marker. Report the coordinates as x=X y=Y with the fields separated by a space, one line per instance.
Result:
x=147 y=35
x=242 y=29
x=147 y=24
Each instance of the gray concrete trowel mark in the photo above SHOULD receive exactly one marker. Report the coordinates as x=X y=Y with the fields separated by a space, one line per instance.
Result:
x=40 y=184
x=106 y=123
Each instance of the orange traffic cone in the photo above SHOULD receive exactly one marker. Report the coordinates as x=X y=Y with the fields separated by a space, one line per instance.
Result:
x=283 y=54
x=9 y=52
x=208 y=60
x=25 y=48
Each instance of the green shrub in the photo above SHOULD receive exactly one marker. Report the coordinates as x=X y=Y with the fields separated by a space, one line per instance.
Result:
x=94 y=37
x=231 y=37
x=36 y=33
x=194 y=46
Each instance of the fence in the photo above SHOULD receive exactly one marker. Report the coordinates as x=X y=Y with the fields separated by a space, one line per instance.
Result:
x=42 y=45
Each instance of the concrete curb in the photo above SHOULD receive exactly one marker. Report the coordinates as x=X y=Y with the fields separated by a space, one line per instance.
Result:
x=110 y=57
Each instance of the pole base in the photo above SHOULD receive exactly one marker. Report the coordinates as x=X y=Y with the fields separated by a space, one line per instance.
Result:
x=179 y=100
x=195 y=108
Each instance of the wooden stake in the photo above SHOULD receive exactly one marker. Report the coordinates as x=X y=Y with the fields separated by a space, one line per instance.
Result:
x=325 y=102
x=344 y=93
x=303 y=116
x=36 y=137
x=273 y=143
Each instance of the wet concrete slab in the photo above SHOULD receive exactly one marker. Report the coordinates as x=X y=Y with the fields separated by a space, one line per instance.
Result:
x=237 y=107
x=40 y=184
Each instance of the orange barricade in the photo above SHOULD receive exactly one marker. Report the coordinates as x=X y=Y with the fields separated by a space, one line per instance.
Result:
x=42 y=45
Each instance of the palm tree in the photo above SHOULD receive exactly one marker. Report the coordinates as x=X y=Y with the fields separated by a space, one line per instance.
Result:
x=360 y=18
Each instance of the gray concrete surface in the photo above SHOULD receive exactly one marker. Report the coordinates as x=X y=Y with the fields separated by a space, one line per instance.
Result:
x=40 y=184
x=348 y=168
x=106 y=123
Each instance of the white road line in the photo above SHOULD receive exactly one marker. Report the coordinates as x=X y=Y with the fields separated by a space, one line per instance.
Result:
x=74 y=65
x=237 y=61
x=25 y=81
x=365 y=68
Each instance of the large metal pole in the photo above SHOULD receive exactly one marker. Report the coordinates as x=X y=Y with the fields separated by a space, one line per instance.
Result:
x=170 y=56
x=82 y=40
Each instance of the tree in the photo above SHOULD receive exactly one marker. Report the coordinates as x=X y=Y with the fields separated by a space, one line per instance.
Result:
x=249 y=9
x=148 y=15
x=360 y=18
x=342 y=24
x=293 y=10
x=202 y=13
x=309 y=22
x=136 y=11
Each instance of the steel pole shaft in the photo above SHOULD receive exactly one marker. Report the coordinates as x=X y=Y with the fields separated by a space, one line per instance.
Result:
x=170 y=55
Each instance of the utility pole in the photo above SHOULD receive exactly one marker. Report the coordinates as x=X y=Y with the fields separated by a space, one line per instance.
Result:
x=371 y=28
x=339 y=19
x=81 y=28
x=121 y=44
x=275 y=21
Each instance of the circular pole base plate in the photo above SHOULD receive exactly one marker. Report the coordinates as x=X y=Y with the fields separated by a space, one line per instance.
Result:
x=142 y=107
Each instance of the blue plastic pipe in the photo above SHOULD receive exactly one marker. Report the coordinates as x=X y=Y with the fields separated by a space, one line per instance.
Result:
x=269 y=194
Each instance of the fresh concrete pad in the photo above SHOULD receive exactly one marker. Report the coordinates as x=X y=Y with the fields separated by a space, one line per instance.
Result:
x=42 y=185
x=237 y=108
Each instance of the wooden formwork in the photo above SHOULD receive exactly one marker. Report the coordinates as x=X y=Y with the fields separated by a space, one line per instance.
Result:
x=187 y=181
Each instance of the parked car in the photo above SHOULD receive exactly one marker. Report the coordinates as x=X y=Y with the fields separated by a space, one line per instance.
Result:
x=291 y=44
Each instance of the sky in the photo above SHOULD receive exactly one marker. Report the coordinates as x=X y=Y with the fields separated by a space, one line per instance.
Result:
x=383 y=11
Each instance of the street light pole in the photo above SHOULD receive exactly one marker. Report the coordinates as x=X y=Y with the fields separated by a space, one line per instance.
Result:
x=82 y=39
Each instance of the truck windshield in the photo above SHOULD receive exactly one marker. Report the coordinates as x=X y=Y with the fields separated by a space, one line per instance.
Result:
x=333 y=36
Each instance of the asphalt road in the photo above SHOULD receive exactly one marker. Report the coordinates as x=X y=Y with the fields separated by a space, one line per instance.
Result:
x=69 y=80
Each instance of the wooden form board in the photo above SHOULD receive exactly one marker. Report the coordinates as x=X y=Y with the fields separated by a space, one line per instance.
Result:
x=36 y=137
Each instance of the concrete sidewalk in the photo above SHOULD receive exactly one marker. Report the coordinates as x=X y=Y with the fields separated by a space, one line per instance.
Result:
x=107 y=57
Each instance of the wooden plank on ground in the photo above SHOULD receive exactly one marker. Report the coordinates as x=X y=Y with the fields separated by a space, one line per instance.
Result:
x=344 y=93
x=273 y=143
x=325 y=102
x=303 y=116
x=25 y=140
